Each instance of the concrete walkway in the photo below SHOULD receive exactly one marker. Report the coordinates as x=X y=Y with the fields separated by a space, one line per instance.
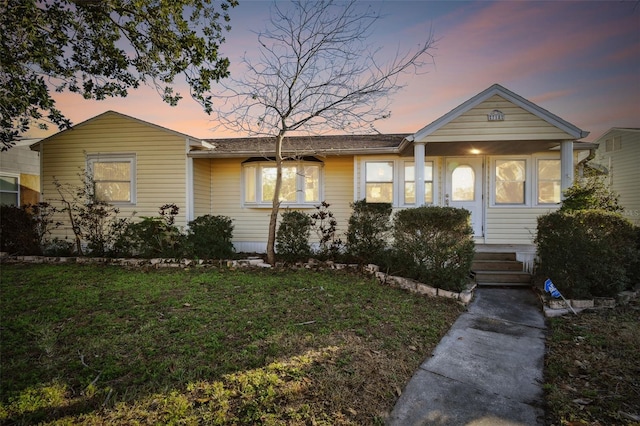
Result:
x=486 y=371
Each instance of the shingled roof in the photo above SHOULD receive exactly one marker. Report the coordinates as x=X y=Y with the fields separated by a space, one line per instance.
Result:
x=303 y=145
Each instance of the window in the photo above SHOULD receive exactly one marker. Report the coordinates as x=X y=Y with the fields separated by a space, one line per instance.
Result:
x=410 y=184
x=510 y=181
x=113 y=177
x=379 y=182
x=9 y=190
x=548 y=181
x=613 y=144
x=301 y=182
x=463 y=183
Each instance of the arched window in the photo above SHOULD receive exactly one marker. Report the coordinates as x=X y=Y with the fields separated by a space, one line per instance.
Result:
x=463 y=183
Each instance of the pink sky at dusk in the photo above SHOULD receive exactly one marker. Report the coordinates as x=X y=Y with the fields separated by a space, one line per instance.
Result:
x=578 y=59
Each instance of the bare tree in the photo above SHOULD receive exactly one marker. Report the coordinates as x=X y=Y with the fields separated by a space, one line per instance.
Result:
x=315 y=72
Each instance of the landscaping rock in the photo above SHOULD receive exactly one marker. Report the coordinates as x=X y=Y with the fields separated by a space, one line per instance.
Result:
x=625 y=297
x=425 y=289
x=582 y=303
x=371 y=268
x=557 y=304
x=448 y=294
x=604 y=302
x=405 y=284
x=466 y=296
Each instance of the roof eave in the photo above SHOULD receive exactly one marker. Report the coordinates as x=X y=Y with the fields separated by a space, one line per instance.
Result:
x=322 y=153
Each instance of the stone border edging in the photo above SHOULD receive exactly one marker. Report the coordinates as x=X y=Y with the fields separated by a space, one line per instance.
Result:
x=557 y=307
x=408 y=284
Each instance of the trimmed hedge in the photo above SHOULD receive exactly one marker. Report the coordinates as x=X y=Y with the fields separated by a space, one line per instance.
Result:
x=587 y=253
x=292 y=237
x=209 y=237
x=368 y=231
x=435 y=245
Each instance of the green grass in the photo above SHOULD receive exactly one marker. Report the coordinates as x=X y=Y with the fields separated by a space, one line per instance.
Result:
x=592 y=369
x=87 y=344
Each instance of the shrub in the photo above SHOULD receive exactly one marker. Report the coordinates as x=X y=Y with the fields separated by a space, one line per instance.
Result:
x=435 y=245
x=91 y=219
x=292 y=238
x=43 y=214
x=586 y=252
x=209 y=237
x=633 y=271
x=368 y=231
x=591 y=193
x=18 y=234
x=325 y=226
x=153 y=236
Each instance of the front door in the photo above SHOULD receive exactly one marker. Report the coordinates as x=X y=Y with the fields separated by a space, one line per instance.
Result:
x=463 y=189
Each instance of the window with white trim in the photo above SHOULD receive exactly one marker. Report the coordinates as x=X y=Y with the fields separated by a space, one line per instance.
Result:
x=301 y=182
x=526 y=181
x=9 y=190
x=113 y=177
x=548 y=181
x=410 y=184
x=379 y=181
x=510 y=182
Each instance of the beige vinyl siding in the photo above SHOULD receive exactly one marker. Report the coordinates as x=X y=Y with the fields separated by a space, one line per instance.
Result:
x=624 y=174
x=338 y=189
x=159 y=165
x=518 y=124
x=202 y=202
x=512 y=225
x=251 y=224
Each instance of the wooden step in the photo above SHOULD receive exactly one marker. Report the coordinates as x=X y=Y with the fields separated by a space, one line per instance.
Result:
x=494 y=256
x=499 y=269
x=496 y=265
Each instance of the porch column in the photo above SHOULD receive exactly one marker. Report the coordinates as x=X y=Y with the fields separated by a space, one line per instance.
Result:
x=418 y=162
x=566 y=165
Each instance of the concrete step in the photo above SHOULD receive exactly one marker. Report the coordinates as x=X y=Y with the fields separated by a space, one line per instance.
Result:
x=496 y=265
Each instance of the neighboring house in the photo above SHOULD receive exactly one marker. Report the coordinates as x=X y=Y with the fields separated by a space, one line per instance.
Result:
x=20 y=175
x=498 y=155
x=618 y=155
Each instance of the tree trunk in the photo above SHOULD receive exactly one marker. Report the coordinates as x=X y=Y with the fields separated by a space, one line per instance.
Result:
x=275 y=206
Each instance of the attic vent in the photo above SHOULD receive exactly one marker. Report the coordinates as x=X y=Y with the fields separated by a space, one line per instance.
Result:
x=495 y=115
x=614 y=144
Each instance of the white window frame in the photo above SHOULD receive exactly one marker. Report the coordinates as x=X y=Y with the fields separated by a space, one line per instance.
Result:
x=531 y=184
x=300 y=184
x=536 y=181
x=398 y=178
x=17 y=191
x=117 y=158
x=394 y=179
x=432 y=181
x=528 y=187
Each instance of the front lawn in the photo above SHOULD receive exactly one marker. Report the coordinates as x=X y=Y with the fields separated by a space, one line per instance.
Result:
x=592 y=372
x=87 y=344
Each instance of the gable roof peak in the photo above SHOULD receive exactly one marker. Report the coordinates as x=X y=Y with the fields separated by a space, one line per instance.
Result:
x=119 y=114
x=497 y=89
